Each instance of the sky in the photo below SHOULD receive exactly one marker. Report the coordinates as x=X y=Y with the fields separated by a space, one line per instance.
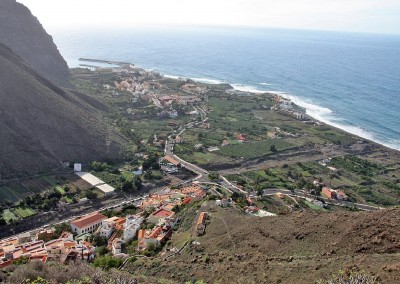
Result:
x=373 y=16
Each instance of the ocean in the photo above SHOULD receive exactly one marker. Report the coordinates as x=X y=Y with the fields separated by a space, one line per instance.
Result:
x=348 y=80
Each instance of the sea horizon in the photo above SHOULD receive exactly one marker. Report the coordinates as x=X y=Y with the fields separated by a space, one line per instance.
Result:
x=337 y=77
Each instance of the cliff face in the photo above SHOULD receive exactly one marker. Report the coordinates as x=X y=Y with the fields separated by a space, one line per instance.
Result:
x=24 y=34
x=42 y=124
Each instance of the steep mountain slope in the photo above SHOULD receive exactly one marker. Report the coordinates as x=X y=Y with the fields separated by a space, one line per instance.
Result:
x=24 y=34
x=42 y=125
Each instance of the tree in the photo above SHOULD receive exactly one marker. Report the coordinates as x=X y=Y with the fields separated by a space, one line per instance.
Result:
x=107 y=261
x=21 y=260
x=98 y=241
x=89 y=194
x=137 y=183
x=273 y=149
x=213 y=176
x=148 y=175
x=101 y=250
x=59 y=228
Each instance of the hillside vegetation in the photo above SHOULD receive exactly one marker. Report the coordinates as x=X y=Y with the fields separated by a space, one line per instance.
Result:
x=298 y=248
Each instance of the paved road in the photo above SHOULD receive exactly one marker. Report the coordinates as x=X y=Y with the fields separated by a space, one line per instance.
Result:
x=365 y=207
x=203 y=174
x=54 y=216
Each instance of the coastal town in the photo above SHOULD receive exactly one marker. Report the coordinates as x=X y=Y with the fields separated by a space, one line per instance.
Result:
x=152 y=227
x=131 y=223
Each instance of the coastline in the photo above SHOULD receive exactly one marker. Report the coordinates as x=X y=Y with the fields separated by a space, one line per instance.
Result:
x=312 y=110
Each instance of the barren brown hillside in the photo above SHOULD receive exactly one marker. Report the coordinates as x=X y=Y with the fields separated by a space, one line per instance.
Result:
x=297 y=248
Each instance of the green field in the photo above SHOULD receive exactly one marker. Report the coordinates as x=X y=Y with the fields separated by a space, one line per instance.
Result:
x=24 y=212
x=59 y=189
x=9 y=215
x=254 y=149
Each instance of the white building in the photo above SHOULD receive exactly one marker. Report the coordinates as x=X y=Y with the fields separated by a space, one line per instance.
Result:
x=117 y=246
x=88 y=223
x=98 y=183
x=106 y=229
x=131 y=227
x=77 y=167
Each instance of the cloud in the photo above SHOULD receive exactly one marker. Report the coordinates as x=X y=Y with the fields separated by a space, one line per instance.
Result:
x=347 y=15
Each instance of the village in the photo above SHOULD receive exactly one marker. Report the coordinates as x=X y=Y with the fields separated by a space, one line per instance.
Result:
x=151 y=228
x=150 y=221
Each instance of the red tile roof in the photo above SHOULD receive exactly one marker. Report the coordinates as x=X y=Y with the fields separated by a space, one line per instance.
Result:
x=88 y=220
x=163 y=213
x=202 y=218
x=141 y=234
x=171 y=160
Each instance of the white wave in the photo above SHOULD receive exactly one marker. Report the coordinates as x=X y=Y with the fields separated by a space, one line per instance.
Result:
x=327 y=116
x=196 y=79
x=173 y=77
x=276 y=93
x=208 y=81
x=264 y=84
x=393 y=143
x=245 y=88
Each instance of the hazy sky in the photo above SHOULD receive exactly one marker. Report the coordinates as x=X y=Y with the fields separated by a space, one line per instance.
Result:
x=378 y=16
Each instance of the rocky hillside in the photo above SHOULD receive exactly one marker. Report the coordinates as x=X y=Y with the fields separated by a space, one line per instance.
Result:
x=42 y=124
x=23 y=33
x=296 y=248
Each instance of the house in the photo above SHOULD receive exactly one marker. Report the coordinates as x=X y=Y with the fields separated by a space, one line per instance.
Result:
x=170 y=161
x=299 y=115
x=159 y=214
x=131 y=227
x=198 y=147
x=110 y=225
x=222 y=202
x=157 y=236
x=212 y=149
x=240 y=137
x=45 y=234
x=25 y=238
x=10 y=252
x=334 y=194
x=173 y=114
x=252 y=210
x=106 y=229
x=117 y=246
x=328 y=192
x=341 y=195
x=83 y=200
x=201 y=224
x=88 y=223
x=77 y=167
x=194 y=192
x=66 y=236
